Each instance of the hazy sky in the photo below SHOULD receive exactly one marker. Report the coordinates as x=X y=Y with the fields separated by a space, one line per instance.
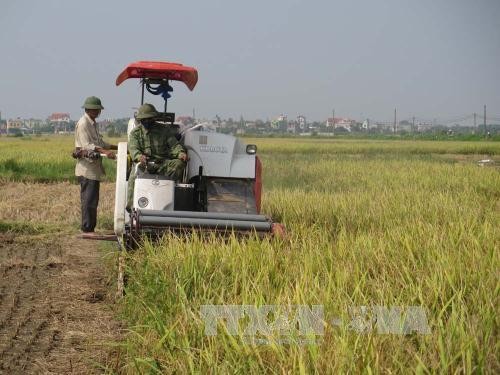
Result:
x=428 y=58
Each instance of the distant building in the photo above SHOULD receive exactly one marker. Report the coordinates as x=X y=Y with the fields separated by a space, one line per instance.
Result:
x=21 y=125
x=281 y=123
x=60 y=121
x=340 y=123
x=59 y=117
x=14 y=125
x=34 y=123
x=302 y=123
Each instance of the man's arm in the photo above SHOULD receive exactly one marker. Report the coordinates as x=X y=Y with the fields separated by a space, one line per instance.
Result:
x=110 y=154
x=177 y=150
x=134 y=146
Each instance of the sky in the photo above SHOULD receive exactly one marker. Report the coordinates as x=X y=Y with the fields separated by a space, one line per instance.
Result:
x=256 y=59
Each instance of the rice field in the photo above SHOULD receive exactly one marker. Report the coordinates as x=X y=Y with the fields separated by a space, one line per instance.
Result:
x=369 y=223
x=40 y=159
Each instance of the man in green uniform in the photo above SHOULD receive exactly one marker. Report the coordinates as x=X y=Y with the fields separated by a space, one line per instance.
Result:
x=154 y=142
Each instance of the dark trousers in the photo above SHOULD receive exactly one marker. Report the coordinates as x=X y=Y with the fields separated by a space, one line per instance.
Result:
x=89 y=196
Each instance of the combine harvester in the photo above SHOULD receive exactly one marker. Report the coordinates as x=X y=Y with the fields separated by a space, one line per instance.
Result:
x=222 y=184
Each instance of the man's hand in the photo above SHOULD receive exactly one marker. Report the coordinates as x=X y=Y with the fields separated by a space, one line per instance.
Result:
x=143 y=159
x=183 y=156
x=110 y=154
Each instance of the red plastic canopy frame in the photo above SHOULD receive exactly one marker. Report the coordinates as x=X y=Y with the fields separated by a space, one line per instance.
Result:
x=160 y=70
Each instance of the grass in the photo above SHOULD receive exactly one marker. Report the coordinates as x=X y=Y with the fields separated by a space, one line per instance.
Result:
x=390 y=223
x=21 y=228
x=40 y=159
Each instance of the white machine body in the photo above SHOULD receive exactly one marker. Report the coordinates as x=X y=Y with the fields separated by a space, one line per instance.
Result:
x=220 y=155
x=154 y=194
x=225 y=161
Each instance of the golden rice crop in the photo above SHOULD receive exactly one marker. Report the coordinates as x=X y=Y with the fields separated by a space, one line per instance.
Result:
x=388 y=223
x=369 y=223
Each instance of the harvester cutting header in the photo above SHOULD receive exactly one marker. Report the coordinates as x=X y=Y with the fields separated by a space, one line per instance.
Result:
x=214 y=183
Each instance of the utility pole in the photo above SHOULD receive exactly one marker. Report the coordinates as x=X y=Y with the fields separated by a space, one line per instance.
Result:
x=395 y=129
x=475 y=124
x=333 y=120
x=484 y=121
x=413 y=124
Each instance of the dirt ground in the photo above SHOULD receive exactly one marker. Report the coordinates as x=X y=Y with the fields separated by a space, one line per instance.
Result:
x=56 y=296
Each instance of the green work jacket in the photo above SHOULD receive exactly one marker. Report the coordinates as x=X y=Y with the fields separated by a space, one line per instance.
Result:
x=157 y=143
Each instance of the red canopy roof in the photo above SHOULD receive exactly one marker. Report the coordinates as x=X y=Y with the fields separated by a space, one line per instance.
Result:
x=162 y=70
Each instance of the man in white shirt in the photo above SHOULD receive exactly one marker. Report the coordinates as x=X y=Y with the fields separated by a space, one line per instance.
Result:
x=90 y=170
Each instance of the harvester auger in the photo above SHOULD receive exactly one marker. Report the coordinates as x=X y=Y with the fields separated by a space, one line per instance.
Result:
x=222 y=184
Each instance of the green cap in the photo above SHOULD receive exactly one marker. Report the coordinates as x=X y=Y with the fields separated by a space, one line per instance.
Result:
x=146 y=111
x=92 y=102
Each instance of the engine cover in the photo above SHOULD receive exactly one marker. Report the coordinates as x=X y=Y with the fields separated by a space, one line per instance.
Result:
x=154 y=194
x=220 y=155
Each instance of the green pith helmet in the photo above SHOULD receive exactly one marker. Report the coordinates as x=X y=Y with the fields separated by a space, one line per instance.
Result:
x=146 y=111
x=92 y=102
